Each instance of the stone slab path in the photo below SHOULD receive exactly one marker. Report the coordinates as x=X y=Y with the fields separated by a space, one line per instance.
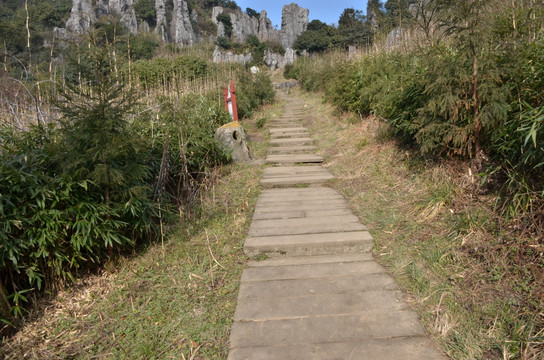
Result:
x=319 y=294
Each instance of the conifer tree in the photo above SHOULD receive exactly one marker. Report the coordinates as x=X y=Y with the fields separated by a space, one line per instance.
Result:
x=99 y=144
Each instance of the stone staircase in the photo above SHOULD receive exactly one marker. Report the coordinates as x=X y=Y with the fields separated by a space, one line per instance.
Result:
x=319 y=294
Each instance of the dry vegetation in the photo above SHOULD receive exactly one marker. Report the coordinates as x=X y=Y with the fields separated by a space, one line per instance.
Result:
x=475 y=278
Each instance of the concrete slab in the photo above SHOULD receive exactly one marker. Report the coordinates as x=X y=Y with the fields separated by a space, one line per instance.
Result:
x=307 y=287
x=310 y=244
x=291 y=149
x=291 y=141
x=289 y=307
x=307 y=229
x=405 y=348
x=294 y=158
x=289 y=180
x=307 y=260
x=288 y=214
x=311 y=271
x=334 y=328
x=303 y=222
x=287 y=130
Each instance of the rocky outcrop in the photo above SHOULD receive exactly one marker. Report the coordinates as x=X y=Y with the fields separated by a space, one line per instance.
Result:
x=229 y=56
x=243 y=25
x=181 y=27
x=161 y=29
x=294 y=21
x=266 y=30
x=85 y=12
x=125 y=10
x=82 y=16
x=278 y=61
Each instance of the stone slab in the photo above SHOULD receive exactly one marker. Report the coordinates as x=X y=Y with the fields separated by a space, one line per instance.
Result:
x=294 y=158
x=307 y=229
x=310 y=244
x=290 y=307
x=311 y=271
x=317 y=179
x=305 y=287
x=291 y=149
x=293 y=214
x=288 y=130
x=307 y=260
x=334 y=328
x=290 y=141
x=399 y=348
x=303 y=222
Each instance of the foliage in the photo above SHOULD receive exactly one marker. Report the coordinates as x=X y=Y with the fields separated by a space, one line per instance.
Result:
x=476 y=96
x=318 y=37
x=223 y=42
x=145 y=10
x=252 y=92
x=354 y=29
x=161 y=70
x=253 y=13
x=224 y=18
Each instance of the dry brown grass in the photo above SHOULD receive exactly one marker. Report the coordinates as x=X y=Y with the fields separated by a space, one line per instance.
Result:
x=476 y=284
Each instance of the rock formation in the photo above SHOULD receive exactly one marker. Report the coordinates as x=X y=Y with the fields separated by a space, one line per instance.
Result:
x=125 y=10
x=229 y=56
x=178 y=26
x=243 y=25
x=82 y=16
x=161 y=29
x=182 y=29
x=266 y=29
x=294 y=21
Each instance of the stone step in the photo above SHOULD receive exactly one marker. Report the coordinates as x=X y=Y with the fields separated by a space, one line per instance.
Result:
x=309 y=244
x=294 y=158
x=292 y=214
x=289 y=306
x=405 y=348
x=306 y=287
x=287 y=130
x=292 y=149
x=313 y=228
x=314 y=222
x=291 y=141
x=324 y=329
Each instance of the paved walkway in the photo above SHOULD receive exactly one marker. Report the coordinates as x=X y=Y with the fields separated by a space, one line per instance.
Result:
x=320 y=295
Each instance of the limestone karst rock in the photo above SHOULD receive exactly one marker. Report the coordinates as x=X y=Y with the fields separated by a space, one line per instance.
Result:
x=294 y=21
x=181 y=27
x=82 y=16
x=161 y=29
x=125 y=10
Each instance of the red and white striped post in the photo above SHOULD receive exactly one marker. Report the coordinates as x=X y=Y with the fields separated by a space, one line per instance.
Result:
x=229 y=93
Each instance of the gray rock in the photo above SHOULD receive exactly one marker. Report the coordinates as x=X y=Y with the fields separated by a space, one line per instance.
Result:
x=294 y=21
x=230 y=57
x=181 y=27
x=266 y=29
x=278 y=61
x=273 y=60
x=125 y=9
x=243 y=25
x=82 y=16
x=161 y=29
x=233 y=138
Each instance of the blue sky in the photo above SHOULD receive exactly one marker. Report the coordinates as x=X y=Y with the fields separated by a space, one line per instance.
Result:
x=328 y=11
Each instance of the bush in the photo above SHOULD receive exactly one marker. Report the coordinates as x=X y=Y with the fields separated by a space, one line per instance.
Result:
x=253 y=91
